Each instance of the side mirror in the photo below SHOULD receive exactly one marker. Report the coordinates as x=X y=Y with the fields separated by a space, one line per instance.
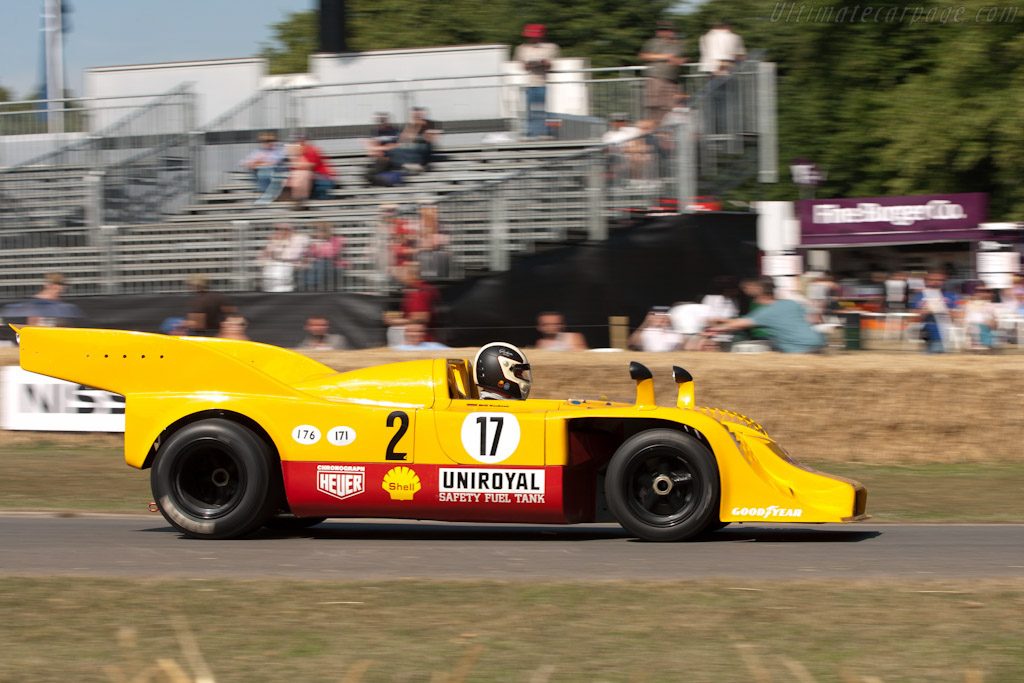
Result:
x=685 y=382
x=639 y=373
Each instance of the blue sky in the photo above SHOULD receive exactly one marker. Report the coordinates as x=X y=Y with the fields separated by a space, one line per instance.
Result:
x=113 y=32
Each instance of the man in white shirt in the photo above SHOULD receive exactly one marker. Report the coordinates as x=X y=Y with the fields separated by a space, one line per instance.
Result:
x=655 y=334
x=720 y=50
x=536 y=57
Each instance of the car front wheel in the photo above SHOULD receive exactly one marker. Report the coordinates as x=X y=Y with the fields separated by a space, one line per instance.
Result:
x=216 y=479
x=662 y=485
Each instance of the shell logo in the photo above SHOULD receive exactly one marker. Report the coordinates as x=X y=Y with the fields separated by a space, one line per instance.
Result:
x=401 y=483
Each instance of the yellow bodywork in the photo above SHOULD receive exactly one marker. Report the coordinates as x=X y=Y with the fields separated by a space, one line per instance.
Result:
x=168 y=380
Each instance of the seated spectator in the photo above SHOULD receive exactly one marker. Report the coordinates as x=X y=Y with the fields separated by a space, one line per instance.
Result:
x=783 y=320
x=403 y=243
x=206 y=309
x=319 y=337
x=416 y=338
x=383 y=132
x=723 y=300
x=620 y=131
x=174 y=327
x=434 y=259
x=689 y=320
x=381 y=171
x=322 y=259
x=655 y=333
x=264 y=162
x=300 y=175
x=553 y=336
x=416 y=142
x=233 y=327
x=642 y=154
x=321 y=179
x=281 y=256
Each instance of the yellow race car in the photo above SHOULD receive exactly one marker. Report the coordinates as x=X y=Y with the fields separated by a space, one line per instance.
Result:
x=240 y=434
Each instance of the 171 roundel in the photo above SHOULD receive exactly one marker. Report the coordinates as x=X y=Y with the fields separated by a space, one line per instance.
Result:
x=490 y=437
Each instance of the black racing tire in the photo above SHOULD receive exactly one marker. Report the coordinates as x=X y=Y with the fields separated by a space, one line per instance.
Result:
x=216 y=479
x=661 y=485
x=292 y=523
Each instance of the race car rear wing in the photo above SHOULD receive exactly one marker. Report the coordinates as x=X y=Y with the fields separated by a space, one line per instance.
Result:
x=140 y=363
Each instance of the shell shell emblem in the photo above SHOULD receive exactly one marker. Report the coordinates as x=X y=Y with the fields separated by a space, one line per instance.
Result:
x=401 y=483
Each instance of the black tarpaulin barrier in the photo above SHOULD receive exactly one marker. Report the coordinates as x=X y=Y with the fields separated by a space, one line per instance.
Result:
x=658 y=261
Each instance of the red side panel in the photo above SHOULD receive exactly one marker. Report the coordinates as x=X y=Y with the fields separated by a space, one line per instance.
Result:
x=446 y=493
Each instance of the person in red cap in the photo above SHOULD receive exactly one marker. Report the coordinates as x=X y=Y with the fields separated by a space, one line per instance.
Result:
x=536 y=56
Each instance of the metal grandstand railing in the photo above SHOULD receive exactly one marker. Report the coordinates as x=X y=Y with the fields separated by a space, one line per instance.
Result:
x=54 y=192
x=575 y=196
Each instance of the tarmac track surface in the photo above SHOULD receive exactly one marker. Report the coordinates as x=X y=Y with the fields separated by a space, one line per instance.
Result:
x=146 y=547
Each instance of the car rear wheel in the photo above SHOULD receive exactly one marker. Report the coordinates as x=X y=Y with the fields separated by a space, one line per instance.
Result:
x=216 y=479
x=662 y=485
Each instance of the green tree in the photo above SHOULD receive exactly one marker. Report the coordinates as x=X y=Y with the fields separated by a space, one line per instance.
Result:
x=891 y=107
x=608 y=32
x=295 y=39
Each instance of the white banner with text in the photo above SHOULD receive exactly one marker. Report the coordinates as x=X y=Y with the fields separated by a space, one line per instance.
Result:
x=38 y=403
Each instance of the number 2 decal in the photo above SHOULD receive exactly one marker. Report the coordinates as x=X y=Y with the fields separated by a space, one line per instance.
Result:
x=490 y=437
x=403 y=426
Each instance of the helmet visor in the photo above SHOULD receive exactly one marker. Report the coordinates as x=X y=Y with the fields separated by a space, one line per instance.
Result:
x=522 y=371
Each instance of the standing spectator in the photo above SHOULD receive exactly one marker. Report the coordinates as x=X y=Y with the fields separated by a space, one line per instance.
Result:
x=207 y=309
x=416 y=143
x=981 y=317
x=553 y=336
x=896 y=292
x=663 y=55
x=721 y=50
x=281 y=255
x=264 y=163
x=783 y=320
x=319 y=337
x=655 y=333
x=52 y=289
x=323 y=258
x=419 y=300
x=536 y=57
x=233 y=327
x=938 y=309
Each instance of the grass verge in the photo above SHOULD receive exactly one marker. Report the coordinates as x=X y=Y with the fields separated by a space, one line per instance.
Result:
x=103 y=630
x=58 y=476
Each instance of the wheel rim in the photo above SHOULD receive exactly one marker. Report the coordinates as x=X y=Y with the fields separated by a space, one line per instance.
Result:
x=208 y=481
x=662 y=487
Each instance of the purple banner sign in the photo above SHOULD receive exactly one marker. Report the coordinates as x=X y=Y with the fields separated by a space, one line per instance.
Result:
x=881 y=220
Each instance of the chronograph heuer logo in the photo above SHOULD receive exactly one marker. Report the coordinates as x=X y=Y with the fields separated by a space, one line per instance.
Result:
x=341 y=481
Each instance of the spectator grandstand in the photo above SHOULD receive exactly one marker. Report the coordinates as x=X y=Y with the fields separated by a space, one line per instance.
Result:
x=124 y=211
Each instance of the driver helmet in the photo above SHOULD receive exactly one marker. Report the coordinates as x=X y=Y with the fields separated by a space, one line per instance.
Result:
x=502 y=371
